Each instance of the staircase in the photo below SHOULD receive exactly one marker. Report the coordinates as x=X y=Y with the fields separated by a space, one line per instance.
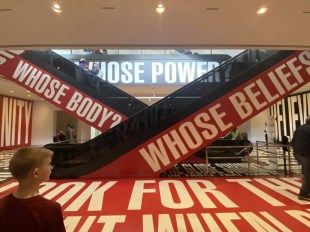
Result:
x=184 y=122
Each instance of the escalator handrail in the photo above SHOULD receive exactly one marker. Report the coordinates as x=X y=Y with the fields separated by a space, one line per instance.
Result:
x=111 y=87
x=151 y=107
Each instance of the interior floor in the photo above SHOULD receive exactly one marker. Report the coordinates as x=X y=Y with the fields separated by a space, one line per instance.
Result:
x=179 y=204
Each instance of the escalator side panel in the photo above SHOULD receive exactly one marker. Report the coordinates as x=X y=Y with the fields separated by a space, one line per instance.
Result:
x=86 y=81
x=212 y=121
x=60 y=94
x=116 y=142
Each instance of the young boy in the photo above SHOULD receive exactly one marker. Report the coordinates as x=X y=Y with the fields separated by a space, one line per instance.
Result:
x=25 y=209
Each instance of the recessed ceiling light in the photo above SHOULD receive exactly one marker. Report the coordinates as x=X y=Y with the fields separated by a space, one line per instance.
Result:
x=29 y=95
x=11 y=91
x=262 y=10
x=108 y=8
x=57 y=8
x=212 y=8
x=7 y=9
x=160 y=8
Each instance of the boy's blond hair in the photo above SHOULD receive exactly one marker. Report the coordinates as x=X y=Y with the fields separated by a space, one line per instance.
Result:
x=27 y=159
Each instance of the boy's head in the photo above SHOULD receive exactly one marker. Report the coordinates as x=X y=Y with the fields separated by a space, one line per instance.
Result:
x=31 y=161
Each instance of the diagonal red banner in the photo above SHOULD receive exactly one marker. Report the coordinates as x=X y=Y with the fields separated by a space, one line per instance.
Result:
x=57 y=92
x=212 y=121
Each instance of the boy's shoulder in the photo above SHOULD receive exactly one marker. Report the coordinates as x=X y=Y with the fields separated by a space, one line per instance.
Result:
x=4 y=203
x=38 y=200
x=5 y=199
x=45 y=202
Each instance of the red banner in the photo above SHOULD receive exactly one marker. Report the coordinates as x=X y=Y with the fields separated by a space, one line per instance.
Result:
x=151 y=205
x=57 y=92
x=213 y=121
x=16 y=123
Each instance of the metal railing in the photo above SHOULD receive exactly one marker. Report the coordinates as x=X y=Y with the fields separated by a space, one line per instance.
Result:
x=273 y=156
x=259 y=154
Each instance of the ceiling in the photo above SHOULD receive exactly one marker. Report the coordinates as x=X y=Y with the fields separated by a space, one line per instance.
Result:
x=134 y=24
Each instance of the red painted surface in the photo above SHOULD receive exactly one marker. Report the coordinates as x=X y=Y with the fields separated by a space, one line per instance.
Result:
x=212 y=121
x=57 y=92
x=217 y=204
x=16 y=123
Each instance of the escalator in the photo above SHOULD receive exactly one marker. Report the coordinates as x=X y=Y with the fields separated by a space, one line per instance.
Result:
x=184 y=122
x=69 y=87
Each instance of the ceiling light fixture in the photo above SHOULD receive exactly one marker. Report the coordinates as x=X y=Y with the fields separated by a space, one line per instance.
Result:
x=108 y=8
x=57 y=8
x=212 y=8
x=6 y=9
x=149 y=97
x=160 y=8
x=262 y=10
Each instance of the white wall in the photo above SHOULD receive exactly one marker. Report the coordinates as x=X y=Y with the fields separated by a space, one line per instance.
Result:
x=83 y=131
x=256 y=127
x=43 y=124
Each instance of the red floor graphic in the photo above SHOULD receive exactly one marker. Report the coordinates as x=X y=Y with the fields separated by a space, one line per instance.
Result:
x=182 y=204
